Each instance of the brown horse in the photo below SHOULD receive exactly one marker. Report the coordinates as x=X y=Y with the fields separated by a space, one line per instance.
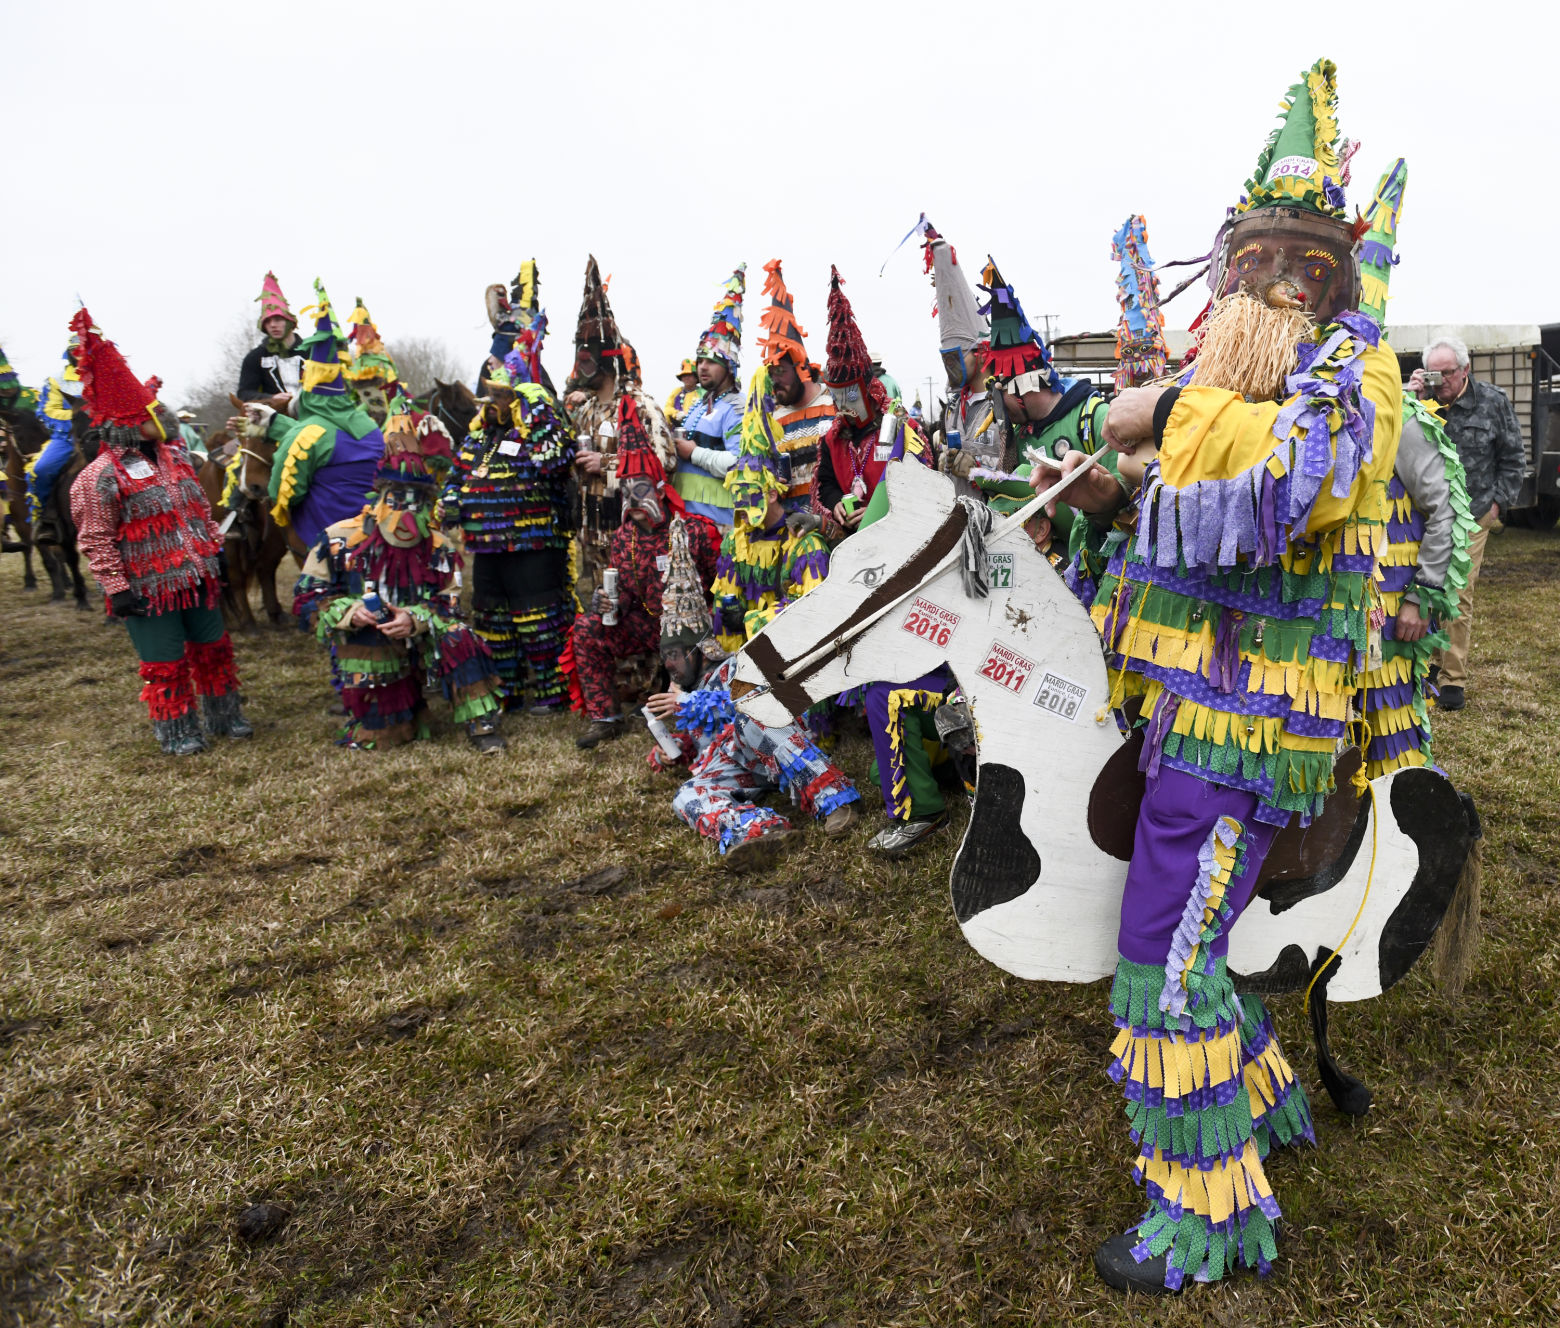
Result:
x=255 y=545
x=454 y=406
x=23 y=436
x=54 y=533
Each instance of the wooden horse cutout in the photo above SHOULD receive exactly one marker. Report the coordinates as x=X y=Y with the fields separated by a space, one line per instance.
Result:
x=1037 y=882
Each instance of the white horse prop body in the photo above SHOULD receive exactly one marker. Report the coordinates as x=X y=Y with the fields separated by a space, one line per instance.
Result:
x=1038 y=880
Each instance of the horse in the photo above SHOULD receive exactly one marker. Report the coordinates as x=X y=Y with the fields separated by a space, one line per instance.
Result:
x=23 y=437
x=1037 y=882
x=237 y=481
x=454 y=405
x=54 y=533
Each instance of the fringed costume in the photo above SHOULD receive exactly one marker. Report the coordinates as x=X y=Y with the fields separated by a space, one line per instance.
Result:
x=605 y=370
x=638 y=553
x=1239 y=610
x=390 y=558
x=767 y=558
x=327 y=457
x=144 y=524
x=733 y=760
x=509 y=494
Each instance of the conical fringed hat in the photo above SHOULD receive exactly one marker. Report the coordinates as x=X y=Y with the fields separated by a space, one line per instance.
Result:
x=273 y=304
x=597 y=328
x=1141 y=354
x=370 y=359
x=112 y=394
x=9 y=382
x=755 y=475
x=1304 y=164
x=780 y=335
x=722 y=340
x=849 y=361
x=323 y=349
x=685 y=613
x=1375 y=253
x=1017 y=355
x=960 y=324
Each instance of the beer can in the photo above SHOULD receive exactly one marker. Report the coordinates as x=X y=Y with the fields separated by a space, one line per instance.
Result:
x=609 y=588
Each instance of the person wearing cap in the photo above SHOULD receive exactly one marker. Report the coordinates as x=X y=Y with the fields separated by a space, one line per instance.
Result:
x=145 y=528
x=712 y=430
x=638 y=554
x=688 y=392
x=273 y=371
x=890 y=383
x=732 y=760
x=382 y=590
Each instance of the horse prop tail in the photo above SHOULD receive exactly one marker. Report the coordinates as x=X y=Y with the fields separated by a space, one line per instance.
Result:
x=1457 y=938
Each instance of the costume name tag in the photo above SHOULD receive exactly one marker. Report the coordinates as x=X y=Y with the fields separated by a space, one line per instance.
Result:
x=1006 y=667
x=1300 y=167
x=510 y=447
x=1001 y=571
x=1063 y=697
x=661 y=562
x=884 y=452
x=138 y=468
x=931 y=622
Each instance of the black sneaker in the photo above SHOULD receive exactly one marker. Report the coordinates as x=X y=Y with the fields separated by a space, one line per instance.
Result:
x=1117 y=1268
x=600 y=730
x=1452 y=698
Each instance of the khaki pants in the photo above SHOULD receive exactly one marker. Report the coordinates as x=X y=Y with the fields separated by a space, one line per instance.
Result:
x=1454 y=659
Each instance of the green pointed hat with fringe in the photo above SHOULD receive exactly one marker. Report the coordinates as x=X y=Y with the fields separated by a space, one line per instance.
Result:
x=324 y=349
x=1375 y=252
x=1303 y=164
x=755 y=475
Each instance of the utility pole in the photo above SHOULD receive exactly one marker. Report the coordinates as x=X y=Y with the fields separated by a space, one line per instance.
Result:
x=1046 y=319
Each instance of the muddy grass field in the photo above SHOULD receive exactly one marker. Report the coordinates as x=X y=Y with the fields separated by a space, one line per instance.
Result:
x=499 y=1044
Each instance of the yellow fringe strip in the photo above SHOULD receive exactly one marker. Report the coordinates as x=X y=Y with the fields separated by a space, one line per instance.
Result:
x=315 y=373
x=287 y=489
x=1179 y=1066
x=1267 y=1077
x=897 y=701
x=1233 y=1186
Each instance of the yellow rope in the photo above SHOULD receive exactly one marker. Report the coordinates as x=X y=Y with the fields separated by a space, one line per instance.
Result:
x=1375 y=833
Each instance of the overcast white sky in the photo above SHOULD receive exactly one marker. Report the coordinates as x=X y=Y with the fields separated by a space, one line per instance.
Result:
x=411 y=153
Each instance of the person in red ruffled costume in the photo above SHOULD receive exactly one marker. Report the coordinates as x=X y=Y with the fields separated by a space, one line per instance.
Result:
x=145 y=526
x=638 y=552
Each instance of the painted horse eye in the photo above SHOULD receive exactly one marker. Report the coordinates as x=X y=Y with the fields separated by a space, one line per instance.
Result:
x=869 y=576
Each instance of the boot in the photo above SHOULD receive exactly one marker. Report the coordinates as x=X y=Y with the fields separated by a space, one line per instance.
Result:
x=484 y=735
x=179 y=736
x=1117 y=1268
x=223 y=716
x=600 y=730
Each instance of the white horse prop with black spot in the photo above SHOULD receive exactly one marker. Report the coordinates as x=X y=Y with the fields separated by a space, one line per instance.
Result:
x=1038 y=880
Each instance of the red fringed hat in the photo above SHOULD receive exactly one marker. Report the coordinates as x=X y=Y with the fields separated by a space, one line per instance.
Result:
x=635 y=455
x=849 y=360
x=782 y=336
x=113 y=395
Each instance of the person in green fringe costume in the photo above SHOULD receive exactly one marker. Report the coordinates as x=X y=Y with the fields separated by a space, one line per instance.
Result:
x=1237 y=607
x=327 y=456
x=382 y=589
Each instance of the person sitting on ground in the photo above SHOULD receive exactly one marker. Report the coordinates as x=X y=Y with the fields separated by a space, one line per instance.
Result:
x=733 y=760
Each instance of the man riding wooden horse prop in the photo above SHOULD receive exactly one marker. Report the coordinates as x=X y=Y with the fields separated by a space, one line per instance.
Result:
x=1235 y=599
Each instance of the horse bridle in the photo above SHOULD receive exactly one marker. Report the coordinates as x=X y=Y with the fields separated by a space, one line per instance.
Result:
x=785 y=678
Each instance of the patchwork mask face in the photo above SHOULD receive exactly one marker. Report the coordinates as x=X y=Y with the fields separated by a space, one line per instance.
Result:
x=1293 y=260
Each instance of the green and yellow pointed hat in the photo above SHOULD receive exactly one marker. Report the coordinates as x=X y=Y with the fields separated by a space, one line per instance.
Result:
x=1303 y=164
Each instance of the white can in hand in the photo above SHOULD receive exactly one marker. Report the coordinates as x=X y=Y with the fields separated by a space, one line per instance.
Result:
x=661 y=734
x=609 y=589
